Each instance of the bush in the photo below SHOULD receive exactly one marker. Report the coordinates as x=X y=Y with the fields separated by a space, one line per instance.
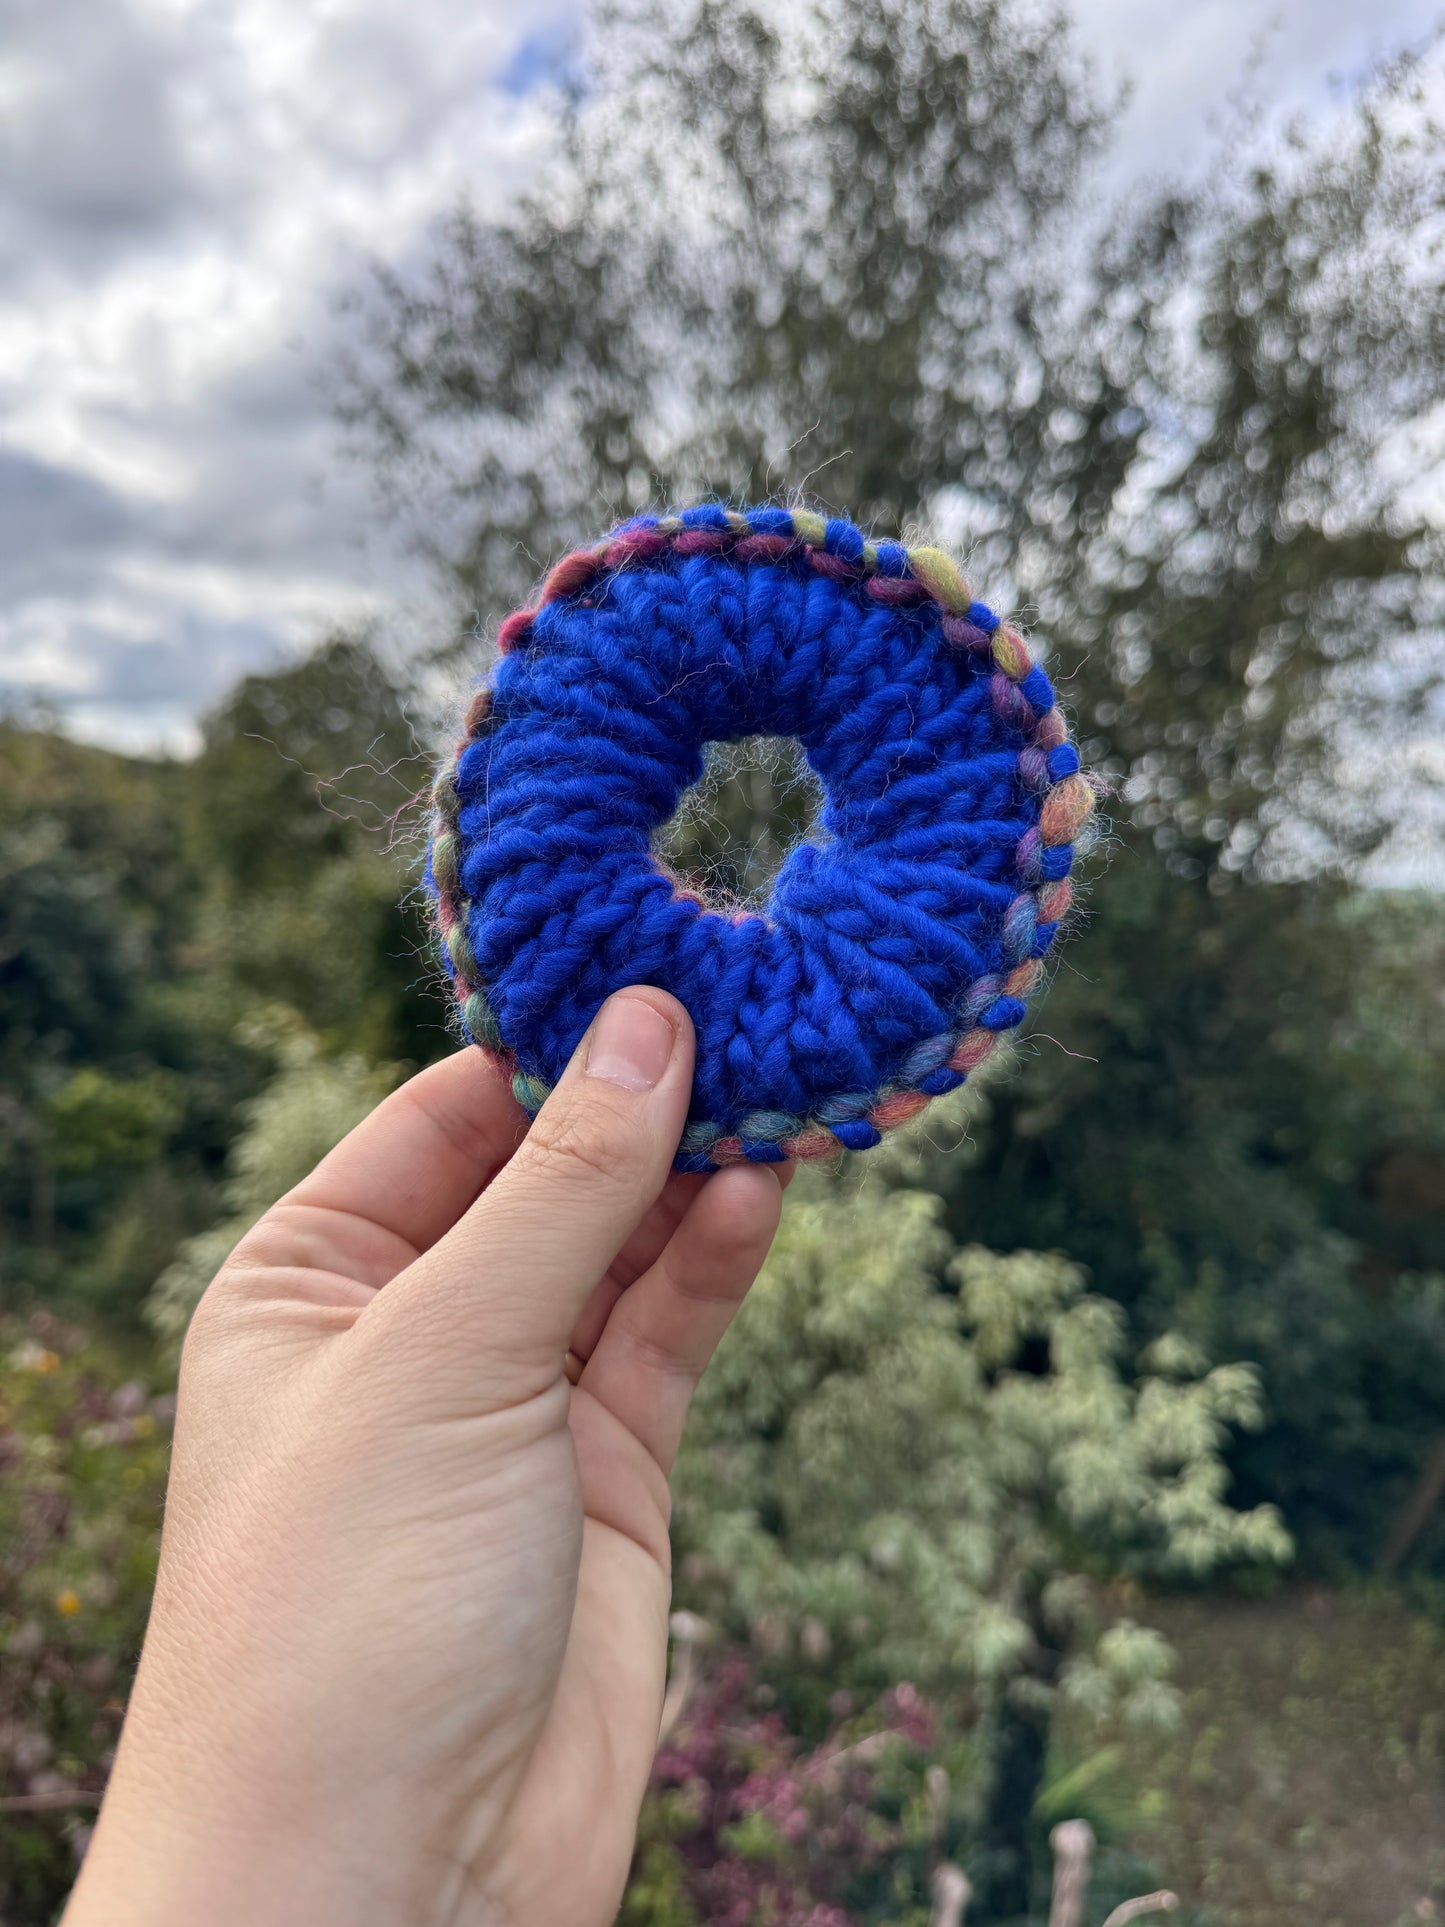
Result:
x=83 y=1452
x=746 y=1823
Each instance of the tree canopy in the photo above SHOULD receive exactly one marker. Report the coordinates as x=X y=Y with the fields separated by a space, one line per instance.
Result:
x=860 y=250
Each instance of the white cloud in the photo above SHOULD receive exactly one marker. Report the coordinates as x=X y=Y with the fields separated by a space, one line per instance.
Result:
x=185 y=183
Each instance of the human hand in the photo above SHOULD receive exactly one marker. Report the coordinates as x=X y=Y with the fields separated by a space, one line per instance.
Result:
x=406 y=1658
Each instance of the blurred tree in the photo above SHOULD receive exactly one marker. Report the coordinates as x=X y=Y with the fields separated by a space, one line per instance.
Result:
x=1243 y=1136
x=743 y=1823
x=298 y=766
x=95 y=885
x=147 y=908
x=107 y=1064
x=299 y=823
x=83 y=1449
x=97 y=1123
x=859 y=247
x=886 y=1481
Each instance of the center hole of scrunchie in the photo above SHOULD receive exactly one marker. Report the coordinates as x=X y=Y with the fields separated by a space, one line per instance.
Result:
x=756 y=800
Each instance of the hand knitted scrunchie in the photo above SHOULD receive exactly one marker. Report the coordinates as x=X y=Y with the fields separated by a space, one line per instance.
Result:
x=891 y=955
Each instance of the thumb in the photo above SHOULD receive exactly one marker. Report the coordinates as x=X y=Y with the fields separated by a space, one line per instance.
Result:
x=492 y=1305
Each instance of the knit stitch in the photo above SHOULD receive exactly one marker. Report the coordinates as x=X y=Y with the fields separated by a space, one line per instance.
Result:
x=892 y=955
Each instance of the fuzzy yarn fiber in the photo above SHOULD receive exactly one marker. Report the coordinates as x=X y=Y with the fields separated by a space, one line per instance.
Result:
x=892 y=955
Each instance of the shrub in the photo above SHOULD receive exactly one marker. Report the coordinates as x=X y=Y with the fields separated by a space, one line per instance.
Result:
x=745 y=1823
x=83 y=1456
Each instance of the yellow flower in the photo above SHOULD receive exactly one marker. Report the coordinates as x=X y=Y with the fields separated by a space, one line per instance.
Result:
x=67 y=1601
x=48 y=1361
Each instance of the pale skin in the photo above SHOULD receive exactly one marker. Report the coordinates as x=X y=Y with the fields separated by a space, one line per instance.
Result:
x=407 y=1654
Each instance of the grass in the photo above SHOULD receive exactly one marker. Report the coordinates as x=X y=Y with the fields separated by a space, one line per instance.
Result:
x=1305 y=1786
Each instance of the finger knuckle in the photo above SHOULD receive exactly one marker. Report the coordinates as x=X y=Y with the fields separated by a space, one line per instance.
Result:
x=659 y=1359
x=471 y=1135
x=580 y=1148
x=242 y=1283
x=270 y=1241
x=724 y=1282
x=722 y=1271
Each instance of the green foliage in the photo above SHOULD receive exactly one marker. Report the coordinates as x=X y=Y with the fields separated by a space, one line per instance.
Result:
x=887 y=1480
x=732 y=830
x=296 y=766
x=98 y=1123
x=863 y=244
x=1242 y=1137
x=300 y=823
x=94 y=888
x=1303 y=1781
x=304 y=1112
x=913 y=1461
x=114 y=1082
x=746 y=1823
x=151 y=909
x=861 y=183
x=83 y=1451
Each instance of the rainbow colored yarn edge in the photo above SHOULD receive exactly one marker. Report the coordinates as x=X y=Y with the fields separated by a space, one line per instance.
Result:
x=890 y=573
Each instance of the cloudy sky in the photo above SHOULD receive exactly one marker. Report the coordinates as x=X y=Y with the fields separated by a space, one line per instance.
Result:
x=185 y=185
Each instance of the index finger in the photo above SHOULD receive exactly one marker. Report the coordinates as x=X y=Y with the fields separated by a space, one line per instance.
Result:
x=424 y=1155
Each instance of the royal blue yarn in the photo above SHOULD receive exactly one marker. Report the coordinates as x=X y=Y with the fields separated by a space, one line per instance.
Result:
x=1037 y=691
x=940 y=1083
x=1002 y=1014
x=840 y=538
x=856 y=975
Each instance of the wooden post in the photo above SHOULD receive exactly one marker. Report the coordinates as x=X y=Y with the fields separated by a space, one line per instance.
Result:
x=1414 y=1514
x=688 y=1633
x=1161 y=1903
x=952 y=1891
x=1073 y=1845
